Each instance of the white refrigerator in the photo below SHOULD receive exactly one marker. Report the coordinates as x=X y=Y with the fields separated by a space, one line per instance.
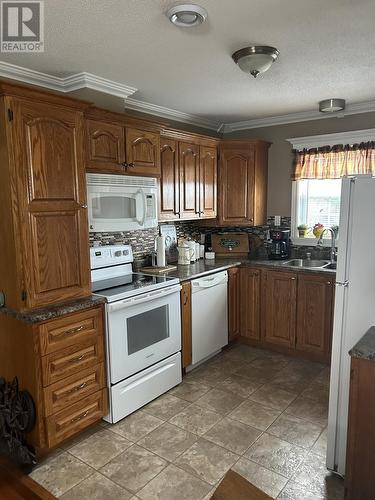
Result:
x=354 y=303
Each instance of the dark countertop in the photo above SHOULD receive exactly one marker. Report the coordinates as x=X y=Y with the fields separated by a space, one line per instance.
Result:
x=365 y=348
x=55 y=311
x=204 y=267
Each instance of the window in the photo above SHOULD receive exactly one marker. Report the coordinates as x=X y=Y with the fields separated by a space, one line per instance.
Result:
x=315 y=202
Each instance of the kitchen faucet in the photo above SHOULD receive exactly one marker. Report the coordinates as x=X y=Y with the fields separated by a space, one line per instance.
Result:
x=332 y=253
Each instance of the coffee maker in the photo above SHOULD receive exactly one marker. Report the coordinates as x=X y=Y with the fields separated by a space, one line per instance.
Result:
x=280 y=244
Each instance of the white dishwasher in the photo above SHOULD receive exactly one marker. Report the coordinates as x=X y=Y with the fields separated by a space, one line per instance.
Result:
x=209 y=315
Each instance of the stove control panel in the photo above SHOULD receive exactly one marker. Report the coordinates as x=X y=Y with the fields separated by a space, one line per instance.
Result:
x=110 y=255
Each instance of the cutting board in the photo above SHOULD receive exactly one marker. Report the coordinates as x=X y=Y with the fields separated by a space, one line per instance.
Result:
x=230 y=244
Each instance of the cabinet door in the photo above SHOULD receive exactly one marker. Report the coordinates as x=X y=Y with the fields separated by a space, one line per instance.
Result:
x=279 y=297
x=208 y=182
x=233 y=303
x=250 y=303
x=142 y=152
x=189 y=180
x=105 y=146
x=237 y=187
x=314 y=314
x=187 y=347
x=169 y=180
x=52 y=202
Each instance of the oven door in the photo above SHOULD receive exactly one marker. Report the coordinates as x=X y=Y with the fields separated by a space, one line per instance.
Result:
x=116 y=208
x=143 y=330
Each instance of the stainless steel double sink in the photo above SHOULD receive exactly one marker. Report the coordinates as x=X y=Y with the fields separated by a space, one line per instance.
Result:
x=310 y=263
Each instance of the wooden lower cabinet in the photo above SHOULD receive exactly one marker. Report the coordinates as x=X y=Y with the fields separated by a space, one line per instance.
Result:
x=359 y=477
x=233 y=303
x=287 y=311
x=314 y=314
x=186 y=325
x=61 y=363
x=250 y=302
x=279 y=307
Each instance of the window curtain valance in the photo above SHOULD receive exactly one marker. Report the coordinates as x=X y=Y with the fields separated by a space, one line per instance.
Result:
x=333 y=162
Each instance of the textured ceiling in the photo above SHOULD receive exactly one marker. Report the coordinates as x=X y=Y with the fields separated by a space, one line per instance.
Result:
x=326 y=46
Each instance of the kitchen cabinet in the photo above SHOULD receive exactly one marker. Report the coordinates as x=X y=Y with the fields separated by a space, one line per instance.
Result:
x=359 y=474
x=250 y=302
x=115 y=148
x=279 y=307
x=314 y=314
x=186 y=326
x=233 y=303
x=44 y=225
x=61 y=363
x=188 y=182
x=243 y=171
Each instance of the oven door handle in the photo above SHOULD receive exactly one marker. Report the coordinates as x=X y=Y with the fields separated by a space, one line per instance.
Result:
x=122 y=304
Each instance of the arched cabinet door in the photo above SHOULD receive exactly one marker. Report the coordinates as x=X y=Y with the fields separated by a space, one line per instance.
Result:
x=105 y=146
x=169 y=198
x=143 y=152
x=189 y=180
x=208 y=181
x=51 y=202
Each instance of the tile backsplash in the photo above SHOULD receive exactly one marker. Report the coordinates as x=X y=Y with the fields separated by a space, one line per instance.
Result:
x=142 y=241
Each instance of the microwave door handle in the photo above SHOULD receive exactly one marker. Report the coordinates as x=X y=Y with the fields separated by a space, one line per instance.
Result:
x=142 y=220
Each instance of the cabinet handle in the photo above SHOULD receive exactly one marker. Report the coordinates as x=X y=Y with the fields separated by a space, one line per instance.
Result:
x=77 y=419
x=75 y=360
x=177 y=213
x=292 y=278
x=78 y=388
x=73 y=330
x=131 y=165
x=84 y=206
x=124 y=164
x=329 y=283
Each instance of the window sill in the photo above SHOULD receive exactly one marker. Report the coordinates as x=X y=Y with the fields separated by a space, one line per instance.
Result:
x=310 y=242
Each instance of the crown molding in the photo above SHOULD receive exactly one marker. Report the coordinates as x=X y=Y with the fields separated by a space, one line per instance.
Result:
x=303 y=116
x=172 y=114
x=65 y=84
x=315 y=141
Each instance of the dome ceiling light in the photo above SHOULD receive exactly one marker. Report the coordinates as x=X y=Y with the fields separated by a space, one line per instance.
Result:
x=332 y=105
x=256 y=59
x=187 y=15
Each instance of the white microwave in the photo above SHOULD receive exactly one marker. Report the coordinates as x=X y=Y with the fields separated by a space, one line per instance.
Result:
x=121 y=203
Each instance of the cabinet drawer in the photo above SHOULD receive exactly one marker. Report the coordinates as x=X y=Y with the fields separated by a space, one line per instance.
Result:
x=59 y=365
x=72 y=389
x=71 y=329
x=76 y=418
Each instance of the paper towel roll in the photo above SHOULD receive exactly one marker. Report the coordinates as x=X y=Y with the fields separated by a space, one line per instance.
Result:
x=160 y=251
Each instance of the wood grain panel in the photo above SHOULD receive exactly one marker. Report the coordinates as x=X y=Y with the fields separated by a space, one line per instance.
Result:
x=71 y=360
x=314 y=313
x=77 y=417
x=143 y=150
x=250 y=303
x=169 y=208
x=72 y=389
x=187 y=346
x=233 y=303
x=208 y=182
x=189 y=180
x=279 y=298
x=105 y=146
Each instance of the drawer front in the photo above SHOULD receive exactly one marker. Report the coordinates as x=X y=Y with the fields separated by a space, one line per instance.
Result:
x=70 y=330
x=76 y=418
x=72 y=389
x=59 y=365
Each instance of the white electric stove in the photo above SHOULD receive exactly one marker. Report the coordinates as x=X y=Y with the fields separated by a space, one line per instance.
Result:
x=143 y=330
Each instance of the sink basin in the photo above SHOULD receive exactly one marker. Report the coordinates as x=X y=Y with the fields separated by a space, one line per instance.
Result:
x=312 y=264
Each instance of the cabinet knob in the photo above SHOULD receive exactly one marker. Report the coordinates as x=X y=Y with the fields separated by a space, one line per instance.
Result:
x=124 y=164
x=84 y=206
x=131 y=165
x=329 y=283
x=177 y=213
x=293 y=278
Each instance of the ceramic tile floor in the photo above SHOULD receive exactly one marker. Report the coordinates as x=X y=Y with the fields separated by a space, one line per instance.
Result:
x=260 y=413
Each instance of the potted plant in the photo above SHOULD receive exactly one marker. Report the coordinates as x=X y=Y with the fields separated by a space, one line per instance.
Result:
x=303 y=229
x=318 y=229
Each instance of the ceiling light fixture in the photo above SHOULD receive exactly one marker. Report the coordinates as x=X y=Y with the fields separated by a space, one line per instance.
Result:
x=187 y=15
x=332 y=105
x=255 y=59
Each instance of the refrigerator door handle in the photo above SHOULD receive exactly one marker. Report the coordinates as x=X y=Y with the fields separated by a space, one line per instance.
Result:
x=342 y=283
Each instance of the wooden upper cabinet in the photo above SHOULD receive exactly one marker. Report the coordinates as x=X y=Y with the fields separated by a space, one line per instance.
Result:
x=279 y=307
x=314 y=314
x=48 y=153
x=233 y=303
x=243 y=182
x=208 y=181
x=250 y=302
x=143 y=152
x=105 y=146
x=189 y=180
x=169 y=198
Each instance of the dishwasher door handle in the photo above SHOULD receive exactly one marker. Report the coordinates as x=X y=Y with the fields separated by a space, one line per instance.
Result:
x=208 y=283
